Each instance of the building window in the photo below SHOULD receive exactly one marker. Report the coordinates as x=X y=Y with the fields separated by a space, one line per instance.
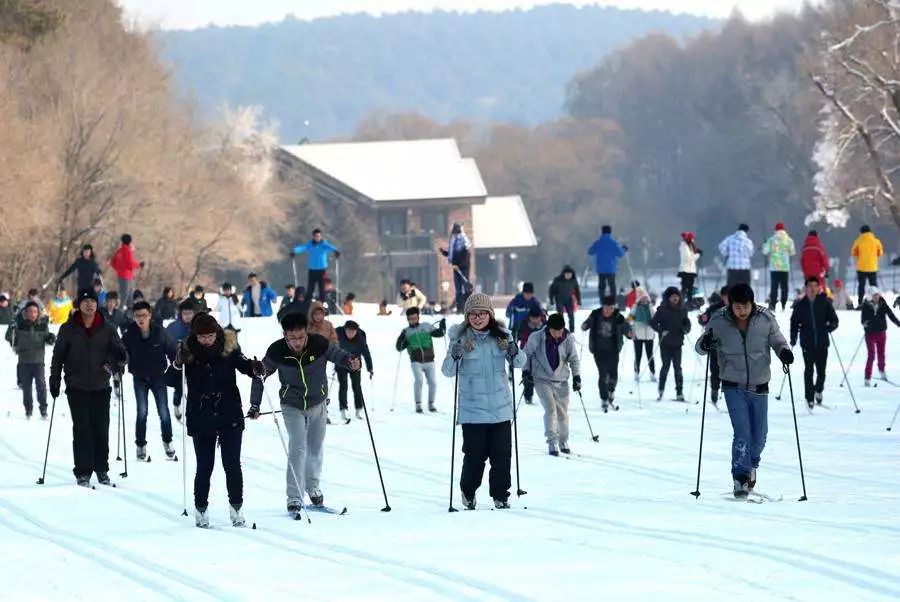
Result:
x=434 y=221
x=392 y=222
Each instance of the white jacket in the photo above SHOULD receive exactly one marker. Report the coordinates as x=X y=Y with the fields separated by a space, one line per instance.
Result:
x=689 y=258
x=227 y=311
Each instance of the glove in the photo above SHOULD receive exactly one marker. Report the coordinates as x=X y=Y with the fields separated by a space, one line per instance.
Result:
x=337 y=254
x=253 y=414
x=54 y=387
x=786 y=356
x=457 y=350
x=511 y=352
x=292 y=254
x=700 y=252
x=51 y=339
x=527 y=378
x=576 y=383
x=141 y=264
x=708 y=342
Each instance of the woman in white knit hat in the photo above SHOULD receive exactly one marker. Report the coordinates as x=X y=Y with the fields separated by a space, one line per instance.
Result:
x=481 y=347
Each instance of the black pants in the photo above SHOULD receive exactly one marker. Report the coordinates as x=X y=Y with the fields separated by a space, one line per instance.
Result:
x=569 y=310
x=861 y=279
x=205 y=451
x=738 y=277
x=90 y=430
x=639 y=348
x=315 y=278
x=814 y=359
x=608 y=373
x=687 y=285
x=480 y=443
x=528 y=391
x=779 y=280
x=461 y=286
x=26 y=374
x=602 y=281
x=355 y=382
x=671 y=356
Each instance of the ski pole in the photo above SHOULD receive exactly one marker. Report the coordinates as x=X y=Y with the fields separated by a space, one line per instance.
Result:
x=294 y=266
x=184 y=441
x=118 y=428
x=888 y=428
x=853 y=359
x=396 y=379
x=846 y=379
x=453 y=438
x=387 y=505
x=787 y=371
x=519 y=491
x=40 y=481
x=594 y=438
x=272 y=412
x=117 y=382
x=781 y=389
x=696 y=491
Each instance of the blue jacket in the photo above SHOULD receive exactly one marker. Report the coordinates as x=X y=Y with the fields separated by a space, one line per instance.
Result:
x=318 y=253
x=606 y=252
x=266 y=298
x=518 y=309
x=484 y=395
x=178 y=330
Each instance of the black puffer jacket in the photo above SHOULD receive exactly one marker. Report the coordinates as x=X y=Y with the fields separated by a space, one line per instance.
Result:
x=148 y=357
x=84 y=352
x=562 y=289
x=671 y=322
x=165 y=309
x=813 y=322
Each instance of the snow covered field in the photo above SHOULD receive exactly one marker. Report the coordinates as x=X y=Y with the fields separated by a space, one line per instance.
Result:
x=616 y=521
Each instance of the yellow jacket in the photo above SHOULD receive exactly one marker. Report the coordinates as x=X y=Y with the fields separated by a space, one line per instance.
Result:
x=59 y=310
x=867 y=249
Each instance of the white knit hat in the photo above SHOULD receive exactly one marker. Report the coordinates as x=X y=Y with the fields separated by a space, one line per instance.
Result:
x=478 y=301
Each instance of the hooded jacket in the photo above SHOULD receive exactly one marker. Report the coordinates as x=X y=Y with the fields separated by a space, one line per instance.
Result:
x=744 y=359
x=303 y=375
x=325 y=328
x=83 y=353
x=86 y=270
x=780 y=248
x=563 y=290
x=814 y=259
x=606 y=334
x=124 y=262
x=200 y=304
x=671 y=322
x=606 y=252
x=148 y=358
x=165 y=309
x=227 y=309
x=357 y=346
x=30 y=339
x=538 y=364
x=813 y=322
x=417 y=340
x=867 y=249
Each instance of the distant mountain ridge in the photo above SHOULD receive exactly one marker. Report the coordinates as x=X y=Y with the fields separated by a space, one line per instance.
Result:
x=487 y=66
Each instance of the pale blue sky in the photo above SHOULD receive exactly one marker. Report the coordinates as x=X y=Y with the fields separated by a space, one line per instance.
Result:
x=181 y=14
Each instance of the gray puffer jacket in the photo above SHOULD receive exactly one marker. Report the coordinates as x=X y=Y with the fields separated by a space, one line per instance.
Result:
x=744 y=358
x=539 y=365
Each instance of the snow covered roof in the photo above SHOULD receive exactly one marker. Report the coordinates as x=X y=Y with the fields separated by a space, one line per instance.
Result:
x=397 y=170
x=502 y=223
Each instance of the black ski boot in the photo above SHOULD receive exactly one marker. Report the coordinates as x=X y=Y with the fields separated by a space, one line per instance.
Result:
x=468 y=503
x=741 y=486
x=103 y=478
x=83 y=481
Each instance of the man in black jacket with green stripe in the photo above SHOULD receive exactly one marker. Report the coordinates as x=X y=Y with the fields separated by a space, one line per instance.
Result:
x=301 y=359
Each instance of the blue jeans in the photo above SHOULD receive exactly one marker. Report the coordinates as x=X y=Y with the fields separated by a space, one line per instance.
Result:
x=143 y=386
x=749 y=414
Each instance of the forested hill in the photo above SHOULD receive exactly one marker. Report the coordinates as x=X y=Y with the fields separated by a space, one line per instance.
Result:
x=485 y=66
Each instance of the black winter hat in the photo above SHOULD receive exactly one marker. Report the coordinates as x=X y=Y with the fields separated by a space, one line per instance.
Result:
x=556 y=322
x=865 y=229
x=528 y=287
x=744 y=227
x=672 y=290
x=740 y=293
x=86 y=247
x=412 y=311
x=351 y=324
x=126 y=239
x=609 y=300
x=87 y=293
x=814 y=233
x=187 y=304
x=606 y=229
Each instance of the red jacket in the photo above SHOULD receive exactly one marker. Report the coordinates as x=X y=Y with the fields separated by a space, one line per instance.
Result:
x=813 y=259
x=630 y=299
x=124 y=263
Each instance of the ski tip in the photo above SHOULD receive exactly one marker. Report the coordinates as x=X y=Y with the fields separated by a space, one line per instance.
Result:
x=343 y=511
x=253 y=527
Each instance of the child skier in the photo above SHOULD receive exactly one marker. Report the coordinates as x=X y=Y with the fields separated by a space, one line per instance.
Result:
x=28 y=336
x=607 y=327
x=479 y=355
x=565 y=294
x=875 y=313
x=535 y=323
x=640 y=316
x=352 y=339
x=672 y=323
x=550 y=355
x=416 y=339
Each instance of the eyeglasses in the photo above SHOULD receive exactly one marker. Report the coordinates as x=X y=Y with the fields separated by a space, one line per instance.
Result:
x=480 y=314
x=207 y=337
x=143 y=315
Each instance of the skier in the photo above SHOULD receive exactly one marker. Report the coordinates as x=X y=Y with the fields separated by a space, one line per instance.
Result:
x=410 y=296
x=689 y=253
x=7 y=315
x=60 y=307
x=85 y=268
x=738 y=250
x=780 y=248
x=209 y=358
x=319 y=324
x=565 y=294
x=717 y=301
x=520 y=306
x=480 y=351
x=607 y=327
x=742 y=336
x=640 y=316
x=89 y=350
x=290 y=291
x=299 y=304
x=228 y=307
x=867 y=250
x=149 y=347
x=347 y=305
x=258 y=297
x=100 y=291
x=840 y=298
x=550 y=355
x=672 y=323
x=814 y=260
x=125 y=264
x=300 y=359
x=606 y=252
x=416 y=339
x=166 y=307
x=352 y=339
x=813 y=319
x=875 y=312
x=198 y=298
x=318 y=249
x=111 y=313
x=178 y=331
x=28 y=336
x=536 y=321
x=458 y=254
x=631 y=297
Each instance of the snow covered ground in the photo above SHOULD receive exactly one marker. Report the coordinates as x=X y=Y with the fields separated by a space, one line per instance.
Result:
x=615 y=521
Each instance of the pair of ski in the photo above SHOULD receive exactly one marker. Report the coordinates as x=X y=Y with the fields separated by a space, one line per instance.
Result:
x=147 y=459
x=298 y=514
x=754 y=497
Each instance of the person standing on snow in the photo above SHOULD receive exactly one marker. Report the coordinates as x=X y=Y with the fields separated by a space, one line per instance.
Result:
x=607 y=327
x=124 y=263
x=85 y=268
x=874 y=315
x=839 y=297
x=258 y=297
x=867 y=250
x=89 y=351
x=410 y=296
x=689 y=253
x=536 y=322
x=198 y=298
x=166 y=307
x=672 y=323
x=458 y=254
x=717 y=302
x=178 y=331
x=814 y=260
x=780 y=248
x=352 y=339
x=565 y=294
x=416 y=339
x=520 y=306
x=640 y=316
x=738 y=250
x=29 y=336
x=551 y=354
x=742 y=337
x=228 y=308
x=301 y=358
x=813 y=319
x=318 y=323
x=606 y=252
x=480 y=352
x=318 y=249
